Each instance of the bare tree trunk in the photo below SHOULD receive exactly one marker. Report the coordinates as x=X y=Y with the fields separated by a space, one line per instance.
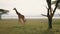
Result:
x=50 y=12
x=50 y=23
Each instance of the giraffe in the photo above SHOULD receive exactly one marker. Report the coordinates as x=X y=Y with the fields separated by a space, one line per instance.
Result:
x=21 y=17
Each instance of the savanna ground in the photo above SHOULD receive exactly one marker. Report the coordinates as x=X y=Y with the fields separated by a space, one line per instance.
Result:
x=32 y=26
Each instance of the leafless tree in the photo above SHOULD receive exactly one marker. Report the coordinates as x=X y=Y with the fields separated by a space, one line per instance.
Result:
x=50 y=12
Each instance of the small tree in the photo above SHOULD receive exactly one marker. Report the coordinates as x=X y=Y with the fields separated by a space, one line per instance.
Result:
x=50 y=12
x=2 y=11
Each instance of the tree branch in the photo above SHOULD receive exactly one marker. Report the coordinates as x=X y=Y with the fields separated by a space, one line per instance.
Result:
x=44 y=15
x=49 y=3
x=56 y=6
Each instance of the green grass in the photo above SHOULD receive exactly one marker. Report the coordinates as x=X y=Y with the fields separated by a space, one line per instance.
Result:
x=32 y=26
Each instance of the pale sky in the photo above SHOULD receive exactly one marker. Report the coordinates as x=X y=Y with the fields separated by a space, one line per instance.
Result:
x=25 y=7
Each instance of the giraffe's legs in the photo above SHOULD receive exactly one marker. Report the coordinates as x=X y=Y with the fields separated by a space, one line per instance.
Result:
x=22 y=21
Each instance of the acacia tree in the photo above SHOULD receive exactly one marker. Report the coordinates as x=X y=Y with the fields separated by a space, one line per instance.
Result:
x=50 y=12
x=2 y=11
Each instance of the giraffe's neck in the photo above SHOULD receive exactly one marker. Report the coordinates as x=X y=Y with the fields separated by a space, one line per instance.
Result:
x=17 y=12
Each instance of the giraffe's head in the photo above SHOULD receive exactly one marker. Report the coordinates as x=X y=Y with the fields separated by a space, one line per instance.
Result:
x=14 y=8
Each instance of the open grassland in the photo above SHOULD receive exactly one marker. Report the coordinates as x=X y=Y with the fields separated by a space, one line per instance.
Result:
x=32 y=26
